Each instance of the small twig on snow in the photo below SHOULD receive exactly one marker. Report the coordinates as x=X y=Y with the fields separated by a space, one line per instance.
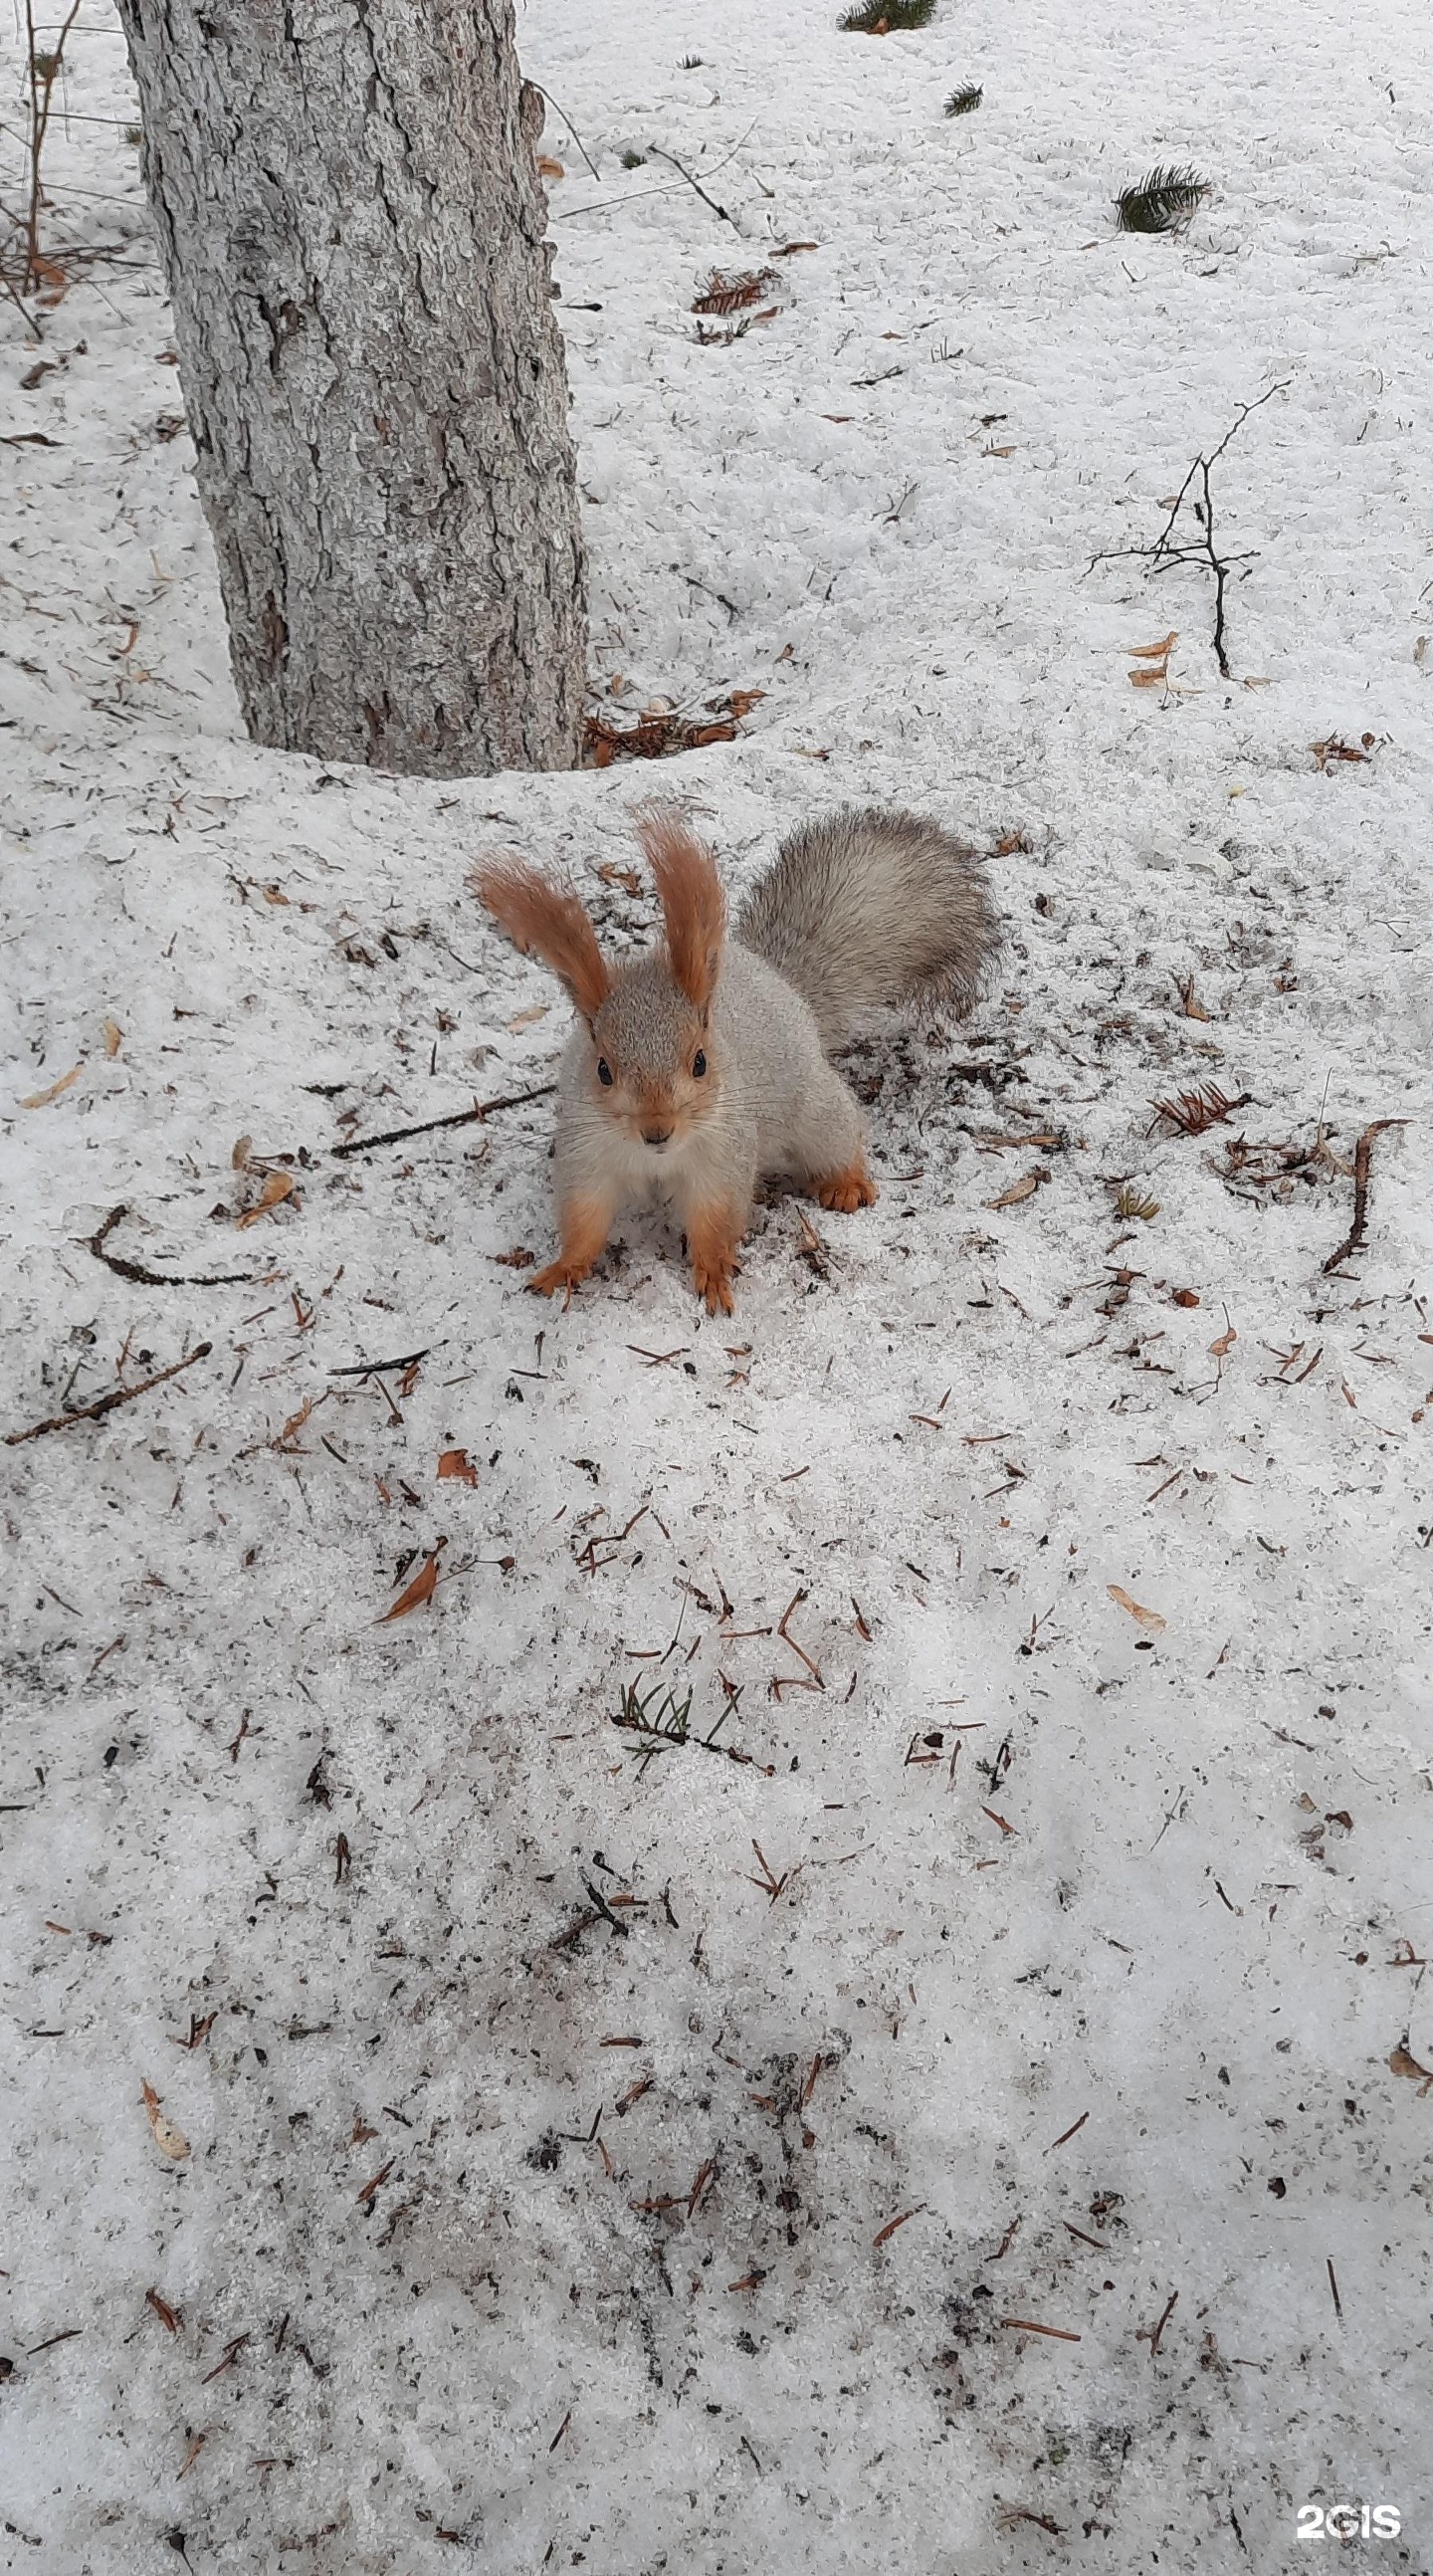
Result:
x=571 y=128
x=658 y=154
x=1362 y=1153
x=135 y=1270
x=372 y=1368
x=1164 y=554
x=22 y=308
x=457 y=1118
x=44 y=70
x=107 y=1403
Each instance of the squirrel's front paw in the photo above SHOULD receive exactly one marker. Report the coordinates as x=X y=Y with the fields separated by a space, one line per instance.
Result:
x=848 y=1190
x=713 y=1280
x=565 y=1275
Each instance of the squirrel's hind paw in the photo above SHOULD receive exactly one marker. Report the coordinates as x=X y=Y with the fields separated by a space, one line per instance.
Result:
x=848 y=1190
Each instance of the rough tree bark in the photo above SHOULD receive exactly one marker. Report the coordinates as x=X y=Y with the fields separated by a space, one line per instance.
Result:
x=352 y=224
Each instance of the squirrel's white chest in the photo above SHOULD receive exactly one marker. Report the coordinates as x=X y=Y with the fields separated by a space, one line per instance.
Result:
x=596 y=1153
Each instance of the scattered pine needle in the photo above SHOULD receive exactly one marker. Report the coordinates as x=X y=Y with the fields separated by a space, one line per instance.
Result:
x=884 y=17
x=1073 y=2131
x=1190 y=1112
x=1162 y=202
x=661 y=735
x=893 y=2223
x=723 y=293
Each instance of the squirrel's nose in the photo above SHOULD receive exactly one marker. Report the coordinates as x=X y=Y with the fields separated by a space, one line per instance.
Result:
x=655 y=1135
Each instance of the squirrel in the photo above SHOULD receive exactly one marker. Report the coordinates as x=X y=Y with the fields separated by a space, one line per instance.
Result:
x=700 y=1065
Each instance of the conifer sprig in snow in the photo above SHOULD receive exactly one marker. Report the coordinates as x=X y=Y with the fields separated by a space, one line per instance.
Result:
x=1162 y=202
x=961 y=101
x=882 y=17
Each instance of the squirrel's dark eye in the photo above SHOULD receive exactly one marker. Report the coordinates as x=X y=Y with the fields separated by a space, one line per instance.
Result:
x=699 y=1064
x=604 y=1073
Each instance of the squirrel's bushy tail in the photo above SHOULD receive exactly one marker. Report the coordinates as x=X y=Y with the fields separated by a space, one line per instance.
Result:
x=872 y=907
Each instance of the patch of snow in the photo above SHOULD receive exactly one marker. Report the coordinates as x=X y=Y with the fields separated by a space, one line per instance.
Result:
x=533 y=2232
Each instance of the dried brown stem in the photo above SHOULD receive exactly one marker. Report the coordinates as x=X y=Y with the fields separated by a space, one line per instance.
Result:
x=107 y=1403
x=135 y=1270
x=480 y=1110
x=1362 y=1153
x=44 y=71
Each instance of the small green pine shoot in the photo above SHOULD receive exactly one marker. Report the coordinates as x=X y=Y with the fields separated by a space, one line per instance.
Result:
x=1132 y=1202
x=961 y=101
x=1162 y=203
x=882 y=17
x=660 y=1720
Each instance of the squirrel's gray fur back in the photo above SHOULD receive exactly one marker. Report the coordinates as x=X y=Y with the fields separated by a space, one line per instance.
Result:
x=872 y=907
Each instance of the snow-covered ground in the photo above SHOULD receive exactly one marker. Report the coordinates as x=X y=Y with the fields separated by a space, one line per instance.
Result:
x=1044 y=1965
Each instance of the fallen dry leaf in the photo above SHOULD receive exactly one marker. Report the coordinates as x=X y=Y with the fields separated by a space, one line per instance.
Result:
x=548 y=168
x=170 y=2141
x=1155 y=679
x=42 y=1099
x=457 y=1464
x=1220 y=1350
x=1151 y=1619
x=277 y=1186
x=296 y=1421
x=1024 y=1188
x=1186 y=1296
x=1403 y=2064
x=1189 y=1001
x=524 y=1019
x=113 y=1036
x=421 y=1589
x=1154 y=652
x=273 y=894
x=1337 y=749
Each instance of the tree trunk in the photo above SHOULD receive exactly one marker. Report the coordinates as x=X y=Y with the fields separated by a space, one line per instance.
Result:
x=352 y=225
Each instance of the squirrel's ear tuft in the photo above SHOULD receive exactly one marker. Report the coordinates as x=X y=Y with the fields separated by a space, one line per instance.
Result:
x=547 y=920
x=693 y=905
